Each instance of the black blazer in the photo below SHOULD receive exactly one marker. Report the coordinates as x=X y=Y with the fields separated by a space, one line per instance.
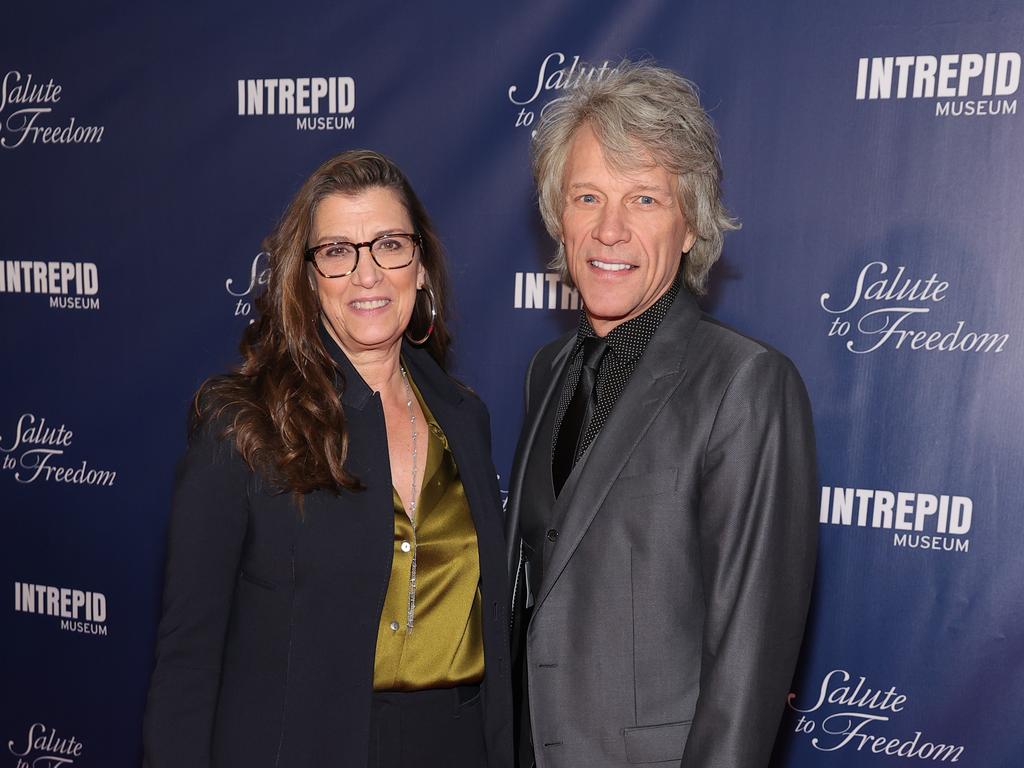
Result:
x=265 y=650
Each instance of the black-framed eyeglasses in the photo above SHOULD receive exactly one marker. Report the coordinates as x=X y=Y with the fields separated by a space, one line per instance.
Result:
x=392 y=251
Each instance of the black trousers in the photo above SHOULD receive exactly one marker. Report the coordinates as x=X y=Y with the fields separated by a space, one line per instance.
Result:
x=439 y=728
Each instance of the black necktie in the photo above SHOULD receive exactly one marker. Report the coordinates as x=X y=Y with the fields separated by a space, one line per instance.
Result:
x=578 y=413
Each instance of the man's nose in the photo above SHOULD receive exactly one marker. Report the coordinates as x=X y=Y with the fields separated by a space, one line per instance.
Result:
x=612 y=226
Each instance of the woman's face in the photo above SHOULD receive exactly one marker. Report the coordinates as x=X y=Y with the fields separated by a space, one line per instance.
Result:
x=369 y=309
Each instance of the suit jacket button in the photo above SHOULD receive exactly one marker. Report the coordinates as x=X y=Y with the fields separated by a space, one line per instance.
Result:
x=552 y=534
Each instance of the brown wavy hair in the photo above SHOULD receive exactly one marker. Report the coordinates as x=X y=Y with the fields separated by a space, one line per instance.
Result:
x=281 y=405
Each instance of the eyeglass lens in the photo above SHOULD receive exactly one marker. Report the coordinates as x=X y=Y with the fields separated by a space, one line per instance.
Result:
x=389 y=251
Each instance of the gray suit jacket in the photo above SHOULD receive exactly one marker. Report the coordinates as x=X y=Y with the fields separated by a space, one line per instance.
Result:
x=668 y=622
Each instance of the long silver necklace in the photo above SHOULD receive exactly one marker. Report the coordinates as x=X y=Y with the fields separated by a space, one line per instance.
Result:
x=411 y=611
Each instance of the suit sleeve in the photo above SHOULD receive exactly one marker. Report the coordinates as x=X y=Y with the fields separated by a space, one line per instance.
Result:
x=758 y=538
x=204 y=546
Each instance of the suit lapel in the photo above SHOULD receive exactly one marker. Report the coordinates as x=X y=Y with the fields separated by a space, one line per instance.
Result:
x=656 y=377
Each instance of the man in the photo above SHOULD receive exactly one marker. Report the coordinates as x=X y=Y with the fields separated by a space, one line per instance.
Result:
x=662 y=523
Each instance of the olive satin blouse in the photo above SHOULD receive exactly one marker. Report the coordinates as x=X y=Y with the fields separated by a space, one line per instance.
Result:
x=430 y=634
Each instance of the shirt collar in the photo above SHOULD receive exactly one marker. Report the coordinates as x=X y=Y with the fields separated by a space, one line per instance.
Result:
x=628 y=340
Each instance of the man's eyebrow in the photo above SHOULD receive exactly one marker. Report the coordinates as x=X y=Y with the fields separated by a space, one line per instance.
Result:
x=637 y=188
x=649 y=188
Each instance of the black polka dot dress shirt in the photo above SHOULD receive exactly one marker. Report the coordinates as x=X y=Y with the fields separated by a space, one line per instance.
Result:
x=626 y=344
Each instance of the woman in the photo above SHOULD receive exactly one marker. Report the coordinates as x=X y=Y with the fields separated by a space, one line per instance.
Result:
x=335 y=562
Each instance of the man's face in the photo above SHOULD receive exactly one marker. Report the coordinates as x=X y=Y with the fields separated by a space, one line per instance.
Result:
x=624 y=233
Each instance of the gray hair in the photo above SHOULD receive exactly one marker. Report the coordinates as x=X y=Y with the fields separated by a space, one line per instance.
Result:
x=639 y=110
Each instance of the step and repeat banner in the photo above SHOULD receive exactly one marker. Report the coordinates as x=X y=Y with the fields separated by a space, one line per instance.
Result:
x=874 y=152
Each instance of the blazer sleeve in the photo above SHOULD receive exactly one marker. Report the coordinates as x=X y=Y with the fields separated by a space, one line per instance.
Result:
x=758 y=539
x=204 y=548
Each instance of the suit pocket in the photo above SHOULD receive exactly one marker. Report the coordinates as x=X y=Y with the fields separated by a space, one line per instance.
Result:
x=656 y=743
x=650 y=483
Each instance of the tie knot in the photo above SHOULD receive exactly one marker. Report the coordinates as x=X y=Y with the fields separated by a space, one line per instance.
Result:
x=594 y=348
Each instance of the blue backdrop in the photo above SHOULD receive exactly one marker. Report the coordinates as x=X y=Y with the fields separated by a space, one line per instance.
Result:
x=873 y=152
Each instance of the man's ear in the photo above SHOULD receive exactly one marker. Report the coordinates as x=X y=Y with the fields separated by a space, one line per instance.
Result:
x=690 y=239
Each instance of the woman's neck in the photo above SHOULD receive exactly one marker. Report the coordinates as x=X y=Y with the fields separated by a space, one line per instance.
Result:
x=379 y=368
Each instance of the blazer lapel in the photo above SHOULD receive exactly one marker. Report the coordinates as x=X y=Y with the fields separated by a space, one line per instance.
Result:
x=445 y=399
x=658 y=374
x=476 y=471
x=442 y=395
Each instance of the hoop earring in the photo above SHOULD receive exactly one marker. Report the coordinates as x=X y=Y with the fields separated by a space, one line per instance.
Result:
x=433 y=317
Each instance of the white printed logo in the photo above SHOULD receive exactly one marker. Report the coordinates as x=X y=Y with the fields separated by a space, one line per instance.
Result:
x=25 y=107
x=920 y=520
x=43 y=748
x=69 y=284
x=889 y=310
x=78 y=610
x=552 y=76
x=845 y=717
x=962 y=84
x=544 y=290
x=259 y=276
x=318 y=103
x=35 y=451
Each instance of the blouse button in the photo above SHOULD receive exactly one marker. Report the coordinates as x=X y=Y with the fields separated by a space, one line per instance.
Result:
x=406 y=546
x=394 y=626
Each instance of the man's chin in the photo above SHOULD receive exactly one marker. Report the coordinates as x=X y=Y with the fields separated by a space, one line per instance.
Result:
x=606 y=315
